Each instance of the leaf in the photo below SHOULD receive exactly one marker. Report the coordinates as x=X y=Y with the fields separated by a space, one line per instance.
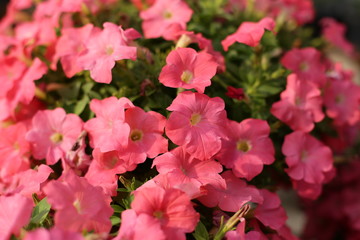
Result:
x=117 y=208
x=80 y=105
x=115 y=220
x=201 y=232
x=40 y=212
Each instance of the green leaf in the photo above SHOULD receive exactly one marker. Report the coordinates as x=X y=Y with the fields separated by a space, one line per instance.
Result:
x=201 y=232
x=117 y=208
x=40 y=212
x=80 y=105
x=115 y=220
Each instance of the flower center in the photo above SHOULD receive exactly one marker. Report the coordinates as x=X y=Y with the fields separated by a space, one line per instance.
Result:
x=304 y=66
x=158 y=214
x=56 y=137
x=109 y=50
x=136 y=135
x=167 y=15
x=303 y=155
x=243 y=146
x=77 y=205
x=186 y=76
x=195 y=119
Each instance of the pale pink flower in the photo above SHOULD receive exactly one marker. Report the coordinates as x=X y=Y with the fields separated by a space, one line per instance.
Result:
x=249 y=33
x=185 y=68
x=79 y=206
x=14 y=150
x=70 y=46
x=108 y=130
x=308 y=158
x=170 y=208
x=187 y=173
x=15 y=212
x=162 y=15
x=300 y=105
x=27 y=182
x=145 y=137
x=103 y=49
x=53 y=133
x=231 y=198
x=247 y=147
x=196 y=123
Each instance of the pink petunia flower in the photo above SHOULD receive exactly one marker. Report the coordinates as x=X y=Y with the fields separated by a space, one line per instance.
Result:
x=108 y=130
x=15 y=213
x=169 y=208
x=231 y=198
x=300 y=105
x=104 y=48
x=247 y=147
x=307 y=64
x=249 y=33
x=14 y=150
x=334 y=32
x=187 y=173
x=196 y=123
x=145 y=137
x=79 y=206
x=54 y=233
x=342 y=100
x=53 y=133
x=162 y=15
x=185 y=68
x=308 y=159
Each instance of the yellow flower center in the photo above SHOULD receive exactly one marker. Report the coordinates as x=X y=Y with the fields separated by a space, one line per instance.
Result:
x=77 y=205
x=195 y=119
x=243 y=146
x=167 y=15
x=136 y=135
x=158 y=214
x=56 y=137
x=186 y=76
x=109 y=50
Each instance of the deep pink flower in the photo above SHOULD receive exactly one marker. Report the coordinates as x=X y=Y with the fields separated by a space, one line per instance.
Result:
x=249 y=33
x=236 y=93
x=15 y=212
x=300 y=104
x=342 y=100
x=231 y=198
x=247 y=147
x=53 y=133
x=103 y=49
x=108 y=130
x=307 y=63
x=52 y=234
x=196 y=123
x=334 y=32
x=308 y=159
x=14 y=150
x=162 y=15
x=145 y=137
x=270 y=212
x=79 y=206
x=170 y=208
x=185 y=68
x=187 y=173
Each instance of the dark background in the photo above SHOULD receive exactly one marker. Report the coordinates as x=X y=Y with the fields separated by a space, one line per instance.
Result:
x=346 y=11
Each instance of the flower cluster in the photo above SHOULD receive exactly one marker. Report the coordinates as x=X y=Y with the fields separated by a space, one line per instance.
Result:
x=169 y=119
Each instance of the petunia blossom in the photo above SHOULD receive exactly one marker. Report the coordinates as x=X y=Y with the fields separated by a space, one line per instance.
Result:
x=196 y=123
x=185 y=68
x=249 y=33
x=53 y=133
x=103 y=49
x=247 y=147
x=79 y=206
x=300 y=105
